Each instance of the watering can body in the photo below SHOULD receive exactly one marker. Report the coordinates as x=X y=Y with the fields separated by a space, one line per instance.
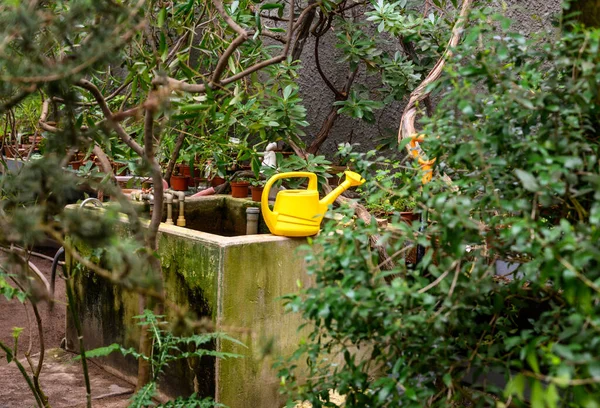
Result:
x=298 y=213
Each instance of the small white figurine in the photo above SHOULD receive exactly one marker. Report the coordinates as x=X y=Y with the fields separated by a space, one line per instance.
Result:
x=269 y=156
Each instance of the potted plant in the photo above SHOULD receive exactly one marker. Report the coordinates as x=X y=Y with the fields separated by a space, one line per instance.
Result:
x=239 y=188
x=184 y=169
x=406 y=207
x=256 y=188
x=178 y=181
x=213 y=174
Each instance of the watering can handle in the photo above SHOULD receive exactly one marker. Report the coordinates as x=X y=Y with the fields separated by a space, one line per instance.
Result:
x=312 y=185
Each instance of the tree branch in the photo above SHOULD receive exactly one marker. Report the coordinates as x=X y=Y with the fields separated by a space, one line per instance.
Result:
x=333 y=115
x=230 y=22
x=123 y=135
x=151 y=237
x=307 y=16
x=115 y=93
x=175 y=84
x=337 y=93
x=407 y=122
x=174 y=155
x=223 y=61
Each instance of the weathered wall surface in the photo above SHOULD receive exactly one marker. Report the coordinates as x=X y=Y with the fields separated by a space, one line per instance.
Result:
x=530 y=16
x=237 y=282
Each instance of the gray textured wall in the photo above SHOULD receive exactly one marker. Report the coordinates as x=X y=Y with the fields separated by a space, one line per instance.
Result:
x=529 y=16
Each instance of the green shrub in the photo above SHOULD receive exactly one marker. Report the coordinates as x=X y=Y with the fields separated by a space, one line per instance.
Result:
x=517 y=131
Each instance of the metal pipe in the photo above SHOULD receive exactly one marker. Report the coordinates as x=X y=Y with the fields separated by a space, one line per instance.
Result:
x=93 y=200
x=37 y=254
x=252 y=220
x=55 y=263
x=181 y=198
x=169 y=200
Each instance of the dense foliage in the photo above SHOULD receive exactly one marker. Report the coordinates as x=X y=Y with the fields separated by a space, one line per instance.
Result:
x=517 y=132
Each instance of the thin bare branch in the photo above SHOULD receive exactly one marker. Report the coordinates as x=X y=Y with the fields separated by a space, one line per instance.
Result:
x=125 y=137
x=337 y=93
x=230 y=22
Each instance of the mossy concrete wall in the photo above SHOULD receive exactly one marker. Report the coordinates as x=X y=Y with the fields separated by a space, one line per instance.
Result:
x=238 y=283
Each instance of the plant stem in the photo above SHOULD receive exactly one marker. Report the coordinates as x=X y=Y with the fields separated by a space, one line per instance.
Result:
x=75 y=316
x=38 y=370
x=9 y=354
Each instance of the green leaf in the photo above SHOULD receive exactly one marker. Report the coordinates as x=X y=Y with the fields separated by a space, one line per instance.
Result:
x=526 y=103
x=100 y=351
x=271 y=6
x=287 y=91
x=162 y=15
x=16 y=331
x=537 y=394
x=552 y=397
x=532 y=360
x=194 y=107
x=528 y=181
x=516 y=386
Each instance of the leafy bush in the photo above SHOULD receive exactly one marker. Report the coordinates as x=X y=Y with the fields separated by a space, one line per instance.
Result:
x=517 y=131
x=167 y=348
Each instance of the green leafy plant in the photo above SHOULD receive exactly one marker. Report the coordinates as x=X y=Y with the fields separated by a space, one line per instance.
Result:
x=359 y=106
x=168 y=348
x=389 y=187
x=517 y=135
x=313 y=164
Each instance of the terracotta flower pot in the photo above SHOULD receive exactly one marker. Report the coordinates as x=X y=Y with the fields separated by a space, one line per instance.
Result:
x=180 y=183
x=217 y=181
x=184 y=169
x=239 y=189
x=9 y=151
x=257 y=192
x=409 y=216
x=75 y=164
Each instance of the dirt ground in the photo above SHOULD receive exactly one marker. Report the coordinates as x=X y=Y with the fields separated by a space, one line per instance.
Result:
x=61 y=377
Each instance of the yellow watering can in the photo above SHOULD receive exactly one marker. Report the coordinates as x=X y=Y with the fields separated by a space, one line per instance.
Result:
x=298 y=213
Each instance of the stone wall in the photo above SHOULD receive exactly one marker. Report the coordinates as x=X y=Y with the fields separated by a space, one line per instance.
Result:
x=529 y=16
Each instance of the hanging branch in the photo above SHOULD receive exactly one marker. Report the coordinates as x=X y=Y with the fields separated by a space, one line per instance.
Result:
x=407 y=122
x=304 y=29
x=243 y=35
x=333 y=114
x=318 y=36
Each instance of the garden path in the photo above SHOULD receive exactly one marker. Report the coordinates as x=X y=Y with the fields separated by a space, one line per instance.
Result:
x=61 y=378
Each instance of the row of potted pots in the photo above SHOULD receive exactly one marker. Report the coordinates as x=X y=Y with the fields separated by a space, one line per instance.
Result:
x=12 y=149
x=79 y=160
x=239 y=189
x=180 y=182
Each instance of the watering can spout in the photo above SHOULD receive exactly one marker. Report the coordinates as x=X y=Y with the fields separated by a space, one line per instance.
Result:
x=352 y=179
